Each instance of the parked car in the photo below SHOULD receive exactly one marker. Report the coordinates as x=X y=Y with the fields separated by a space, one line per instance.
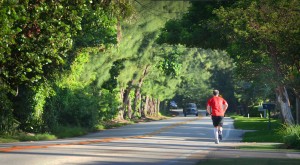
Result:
x=190 y=109
x=173 y=104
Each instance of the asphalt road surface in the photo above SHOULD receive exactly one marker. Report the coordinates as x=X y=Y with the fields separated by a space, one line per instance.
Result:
x=179 y=140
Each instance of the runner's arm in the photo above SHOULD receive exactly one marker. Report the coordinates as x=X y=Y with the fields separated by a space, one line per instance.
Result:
x=225 y=106
x=208 y=109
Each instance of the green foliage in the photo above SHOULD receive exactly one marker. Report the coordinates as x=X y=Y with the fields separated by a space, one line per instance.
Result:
x=206 y=69
x=256 y=34
x=38 y=36
x=109 y=103
x=196 y=28
x=263 y=41
x=8 y=124
x=291 y=136
x=171 y=64
x=77 y=100
x=75 y=107
x=39 y=41
x=141 y=57
x=253 y=111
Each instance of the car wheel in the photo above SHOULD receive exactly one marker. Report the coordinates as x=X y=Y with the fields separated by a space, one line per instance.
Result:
x=197 y=114
x=185 y=115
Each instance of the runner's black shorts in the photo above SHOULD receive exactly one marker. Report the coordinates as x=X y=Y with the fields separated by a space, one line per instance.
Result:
x=217 y=120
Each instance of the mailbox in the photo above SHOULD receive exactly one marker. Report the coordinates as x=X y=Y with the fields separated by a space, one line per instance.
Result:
x=268 y=106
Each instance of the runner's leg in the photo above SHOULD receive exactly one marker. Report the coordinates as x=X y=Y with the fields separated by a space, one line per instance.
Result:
x=216 y=135
x=220 y=129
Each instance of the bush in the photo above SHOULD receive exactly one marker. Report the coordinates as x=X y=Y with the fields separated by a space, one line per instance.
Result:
x=291 y=136
x=8 y=124
x=253 y=111
x=71 y=107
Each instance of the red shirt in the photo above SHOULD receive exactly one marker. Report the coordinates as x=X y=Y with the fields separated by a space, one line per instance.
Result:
x=216 y=103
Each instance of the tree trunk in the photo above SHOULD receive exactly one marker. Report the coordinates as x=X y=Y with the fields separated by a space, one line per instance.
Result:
x=129 y=109
x=154 y=106
x=157 y=107
x=126 y=97
x=141 y=112
x=151 y=107
x=281 y=92
x=137 y=98
x=138 y=90
x=146 y=104
x=119 y=32
x=121 y=109
x=283 y=100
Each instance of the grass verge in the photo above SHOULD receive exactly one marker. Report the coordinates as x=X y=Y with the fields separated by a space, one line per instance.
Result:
x=68 y=131
x=275 y=133
x=26 y=137
x=263 y=130
x=249 y=161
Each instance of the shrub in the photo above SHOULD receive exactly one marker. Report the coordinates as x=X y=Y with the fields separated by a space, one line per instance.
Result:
x=253 y=111
x=291 y=136
x=8 y=124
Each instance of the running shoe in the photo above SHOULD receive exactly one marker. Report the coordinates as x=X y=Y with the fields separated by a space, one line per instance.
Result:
x=217 y=141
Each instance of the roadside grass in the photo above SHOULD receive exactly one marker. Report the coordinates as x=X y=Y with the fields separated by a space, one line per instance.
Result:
x=255 y=123
x=7 y=139
x=248 y=161
x=36 y=137
x=21 y=136
x=266 y=147
x=262 y=131
x=71 y=131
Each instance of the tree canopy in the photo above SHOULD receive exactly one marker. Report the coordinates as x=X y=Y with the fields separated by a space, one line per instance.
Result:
x=261 y=36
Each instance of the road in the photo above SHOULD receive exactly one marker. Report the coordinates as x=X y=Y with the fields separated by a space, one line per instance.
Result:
x=179 y=140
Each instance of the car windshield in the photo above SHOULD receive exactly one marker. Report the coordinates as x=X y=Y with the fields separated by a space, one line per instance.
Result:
x=191 y=105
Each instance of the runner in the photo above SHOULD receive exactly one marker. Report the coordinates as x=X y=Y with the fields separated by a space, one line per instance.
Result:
x=216 y=107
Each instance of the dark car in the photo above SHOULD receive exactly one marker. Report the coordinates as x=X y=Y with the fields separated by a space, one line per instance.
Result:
x=190 y=109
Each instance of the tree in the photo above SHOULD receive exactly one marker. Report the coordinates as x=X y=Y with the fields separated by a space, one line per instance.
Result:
x=40 y=40
x=137 y=51
x=196 y=29
x=256 y=34
x=270 y=40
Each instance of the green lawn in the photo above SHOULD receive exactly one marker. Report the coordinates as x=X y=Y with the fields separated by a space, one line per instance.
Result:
x=260 y=133
x=249 y=161
x=264 y=131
